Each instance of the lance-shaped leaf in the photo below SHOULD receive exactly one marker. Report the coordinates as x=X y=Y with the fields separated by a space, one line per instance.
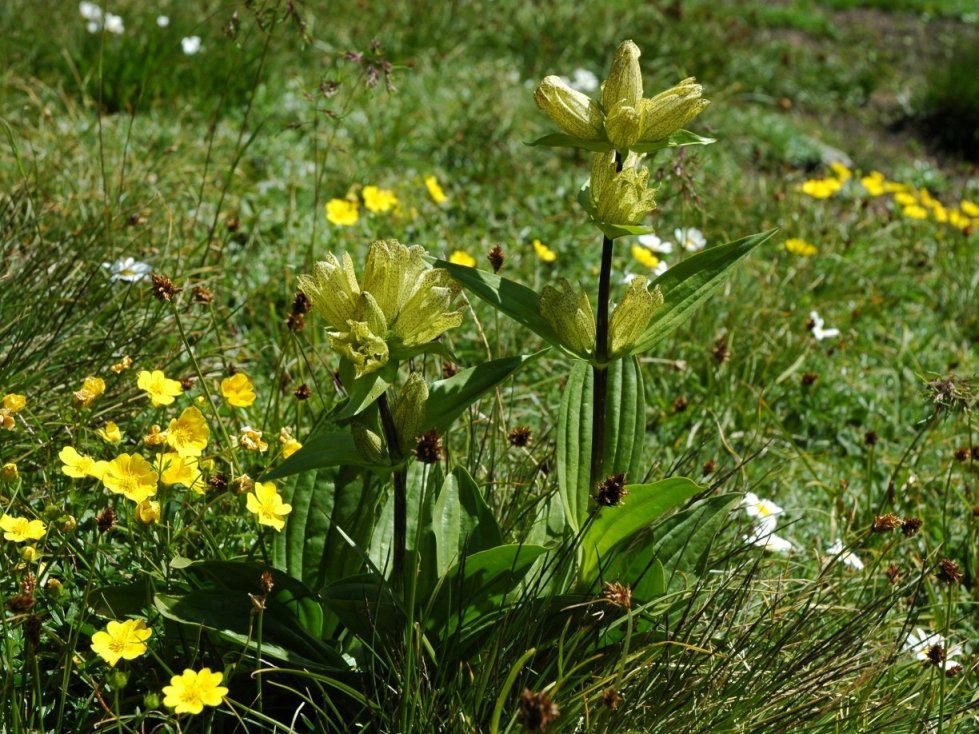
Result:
x=686 y=285
x=449 y=398
x=520 y=303
x=679 y=139
x=325 y=446
x=562 y=140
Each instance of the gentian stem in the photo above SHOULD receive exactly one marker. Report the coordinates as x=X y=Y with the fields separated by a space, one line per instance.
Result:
x=400 y=492
x=600 y=369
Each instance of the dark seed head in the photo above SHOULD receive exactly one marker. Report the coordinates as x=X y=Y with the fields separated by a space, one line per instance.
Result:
x=201 y=294
x=710 y=466
x=520 y=436
x=303 y=392
x=611 y=491
x=911 y=526
x=870 y=438
x=106 y=520
x=680 y=405
x=949 y=571
x=809 y=379
x=886 y=523
x=536 y=710
x=617 y=594
x=163 y=288
x=428 y=447
x=496 y=258
x=893 y=573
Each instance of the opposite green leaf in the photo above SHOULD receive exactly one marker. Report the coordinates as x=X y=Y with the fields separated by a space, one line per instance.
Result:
x=679 y=139
x=686 y=285
x=562 y=140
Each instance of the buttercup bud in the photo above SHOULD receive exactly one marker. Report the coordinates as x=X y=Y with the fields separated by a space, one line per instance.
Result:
x=148 y=511
x=631 y=316
x=8 y=472
x=575 y=113
x=409 y=411
x=620 y=198
x=624 y=83
x=568 y=312
x=669 y=111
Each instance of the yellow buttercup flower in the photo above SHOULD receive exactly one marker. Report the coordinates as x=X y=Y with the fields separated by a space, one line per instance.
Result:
x=460 y=257
x=821 y=188
x=905 y=199
x=20 y=529
x=544 y=252
x=266 y=503
x=131 y=476
x=915 y=212
x=379 y=200
x=121 y=641
x=289 y=444
x=190 y=692
x=342 y=212
x=873 y=183
x=110 y=433
x=91 y=388
x=238 y=390
x=957 y=219
x=969 y=208
x=160 y=389
x=79 y=466
x=644 y=256
x=840 y=171
x=185 y=470
x=13 y=402
x=188 y=434
x=435 y=190
x=800 y=247
x=148 y=512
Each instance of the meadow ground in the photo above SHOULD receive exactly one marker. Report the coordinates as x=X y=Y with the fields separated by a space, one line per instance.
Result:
x=230 y=146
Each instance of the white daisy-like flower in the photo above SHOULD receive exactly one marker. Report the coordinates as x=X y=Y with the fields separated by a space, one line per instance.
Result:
x=690 y=239
x=129 y=270
x=654 y=243
x=763 y=538
x=628 y=278
x=661 y=267
x=920 y=643
x=190 y=45
x=93 y=26
x=846 y=557
x=113 y=24
x=90 y=11
x=162 y=21
x=818 y=331
x=763 y=512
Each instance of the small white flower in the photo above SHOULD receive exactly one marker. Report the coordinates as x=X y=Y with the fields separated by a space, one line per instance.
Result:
x=661 y=267
x=759 y=509
x=190 y=45
x=655 y=244
x=90 y=11
x=690 y=239
x=768 y=541
x=628 y=278
x=93 y=26
x=818 y=332
x=113 y=24
x=162 y=21
x=848 y=558
x=920 y=642
x=129 y=270
x=583 y=81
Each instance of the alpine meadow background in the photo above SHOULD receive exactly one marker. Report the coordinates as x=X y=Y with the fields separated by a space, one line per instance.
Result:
x=489 y=366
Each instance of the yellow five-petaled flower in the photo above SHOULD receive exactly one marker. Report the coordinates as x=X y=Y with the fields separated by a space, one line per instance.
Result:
x=188 y=434
x=121 y=640
x=20 y=529
x=268 y=505
x=238 y=390
x=131 y=476
x=191 y=691
x=160 y=389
